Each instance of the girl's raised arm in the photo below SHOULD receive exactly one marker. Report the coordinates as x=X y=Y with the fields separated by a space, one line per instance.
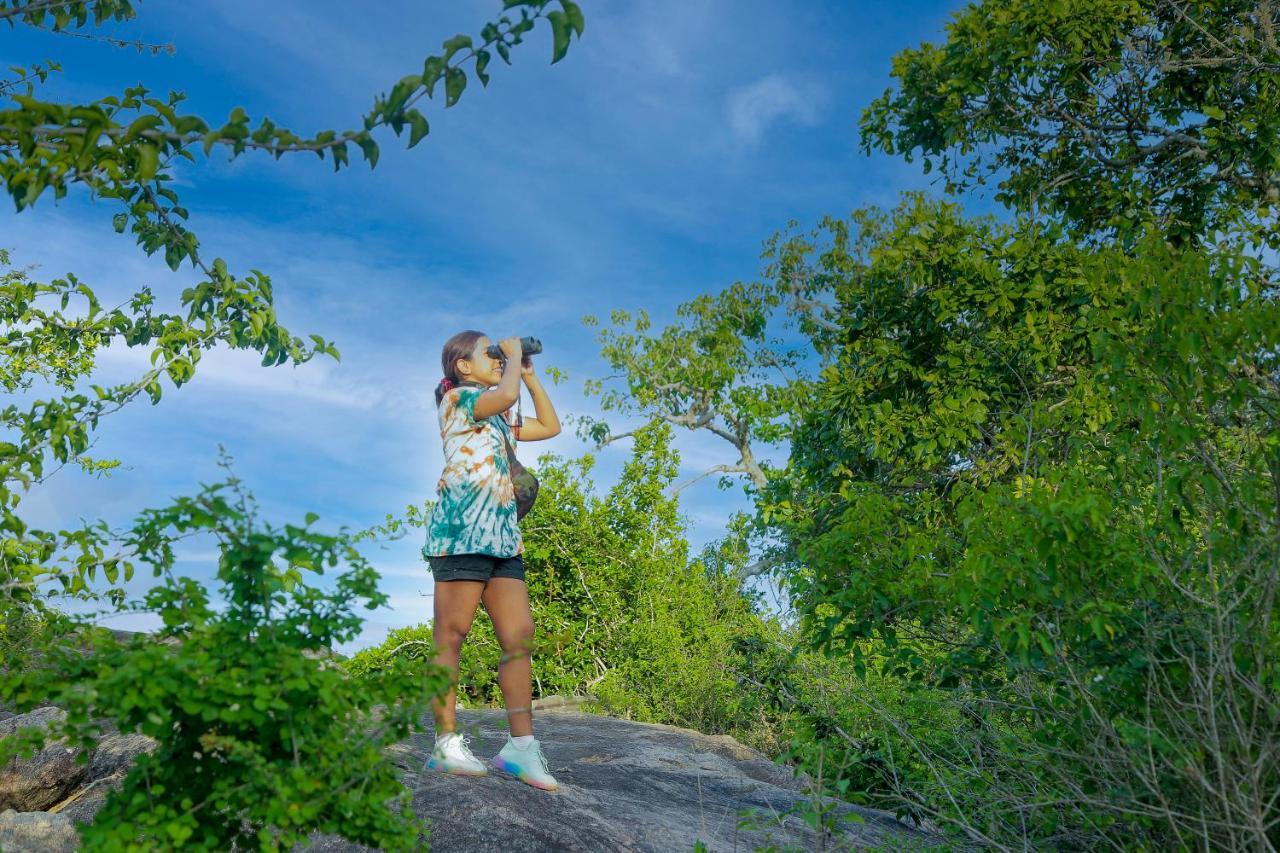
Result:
x=546 y=424
x=502 y=396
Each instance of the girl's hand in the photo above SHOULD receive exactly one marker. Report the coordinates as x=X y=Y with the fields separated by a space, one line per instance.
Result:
x=511 y=348
x=526 y=365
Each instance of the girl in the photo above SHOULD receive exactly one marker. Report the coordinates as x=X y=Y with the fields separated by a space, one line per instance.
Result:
x=474 y=545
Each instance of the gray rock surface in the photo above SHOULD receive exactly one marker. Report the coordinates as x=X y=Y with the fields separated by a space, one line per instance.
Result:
x=108 y=765
x=115 y=753
x=624 y=786
x=39 y=717
x=36 y=783
x=37 y=832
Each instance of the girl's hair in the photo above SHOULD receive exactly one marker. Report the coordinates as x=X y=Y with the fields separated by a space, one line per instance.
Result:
x=459 y=346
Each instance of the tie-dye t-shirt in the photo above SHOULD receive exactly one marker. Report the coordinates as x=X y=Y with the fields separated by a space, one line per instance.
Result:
x=475 y=512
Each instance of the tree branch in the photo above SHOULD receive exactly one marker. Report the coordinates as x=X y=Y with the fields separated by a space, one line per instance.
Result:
x=761 y=566
x=30 y=8
x=618 y=437
x=714 y=469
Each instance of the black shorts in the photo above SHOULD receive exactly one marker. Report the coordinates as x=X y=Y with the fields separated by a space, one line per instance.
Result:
x=475 y=567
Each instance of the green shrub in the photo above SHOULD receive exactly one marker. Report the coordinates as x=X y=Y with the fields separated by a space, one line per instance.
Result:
x=257 y=742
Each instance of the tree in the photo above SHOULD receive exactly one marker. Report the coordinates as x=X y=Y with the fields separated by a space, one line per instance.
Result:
x=1042 y=483
x=1047 y=486
x=1049 y=482
x=716 y=369
x=1102 y=112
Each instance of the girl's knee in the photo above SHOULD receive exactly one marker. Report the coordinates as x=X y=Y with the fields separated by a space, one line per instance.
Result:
x=517 y=644
x=517 y=638
x=450 y=637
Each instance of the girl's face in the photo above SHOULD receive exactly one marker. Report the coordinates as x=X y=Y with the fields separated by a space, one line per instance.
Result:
x=483 y=368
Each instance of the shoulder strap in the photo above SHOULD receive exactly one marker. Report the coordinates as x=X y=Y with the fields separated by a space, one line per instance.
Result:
x=511 y=451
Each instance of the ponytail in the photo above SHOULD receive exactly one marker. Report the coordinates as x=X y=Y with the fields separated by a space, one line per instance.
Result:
x=446 y=385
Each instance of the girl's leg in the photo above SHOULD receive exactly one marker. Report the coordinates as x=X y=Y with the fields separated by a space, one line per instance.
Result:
x=455 y=608
x=507 y=601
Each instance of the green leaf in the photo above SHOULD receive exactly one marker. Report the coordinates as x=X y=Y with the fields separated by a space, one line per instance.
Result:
x=431 y=72
x=400 y=93
x=139 y=125
x=148 y=162
x=560 y=34
x=455 y=44
x=573 y=13
x=418 y=127
x=369 y=147
x=455 y=80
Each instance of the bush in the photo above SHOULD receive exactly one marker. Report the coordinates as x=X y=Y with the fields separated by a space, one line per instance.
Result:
x=257 y=742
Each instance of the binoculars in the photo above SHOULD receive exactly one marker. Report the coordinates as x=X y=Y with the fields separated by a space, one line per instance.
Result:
x=530 y=346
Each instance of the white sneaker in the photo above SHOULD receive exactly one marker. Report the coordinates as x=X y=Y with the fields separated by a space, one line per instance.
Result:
x=453 y=756
x=528 y=765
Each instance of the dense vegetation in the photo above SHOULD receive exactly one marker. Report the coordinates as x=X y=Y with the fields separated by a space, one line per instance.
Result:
x=1035 y=481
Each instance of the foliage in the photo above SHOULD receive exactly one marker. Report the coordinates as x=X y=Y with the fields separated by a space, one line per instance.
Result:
x=256 y=741
x=1103 y=111
x=412 y=643
x=714 y=370
x=117 y=147
x=1046 y=483
x=962 y=351
x=718 y=369
x=1031 y=495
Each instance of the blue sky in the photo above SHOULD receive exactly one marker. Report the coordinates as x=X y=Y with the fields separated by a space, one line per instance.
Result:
x=644 y=169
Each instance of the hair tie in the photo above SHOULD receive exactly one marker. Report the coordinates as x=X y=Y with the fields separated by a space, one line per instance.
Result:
x=447 y=383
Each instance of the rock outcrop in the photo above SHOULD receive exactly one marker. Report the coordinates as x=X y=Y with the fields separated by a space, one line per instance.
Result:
x=623 y=786
x=43 y=797
x=36 y=783
x=29 y=832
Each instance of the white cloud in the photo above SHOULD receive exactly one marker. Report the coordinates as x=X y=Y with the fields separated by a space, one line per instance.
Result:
x=242 y=370
x=752 y=108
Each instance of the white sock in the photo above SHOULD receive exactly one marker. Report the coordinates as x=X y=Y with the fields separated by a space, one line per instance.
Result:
x=523 y=741
x=444 y=736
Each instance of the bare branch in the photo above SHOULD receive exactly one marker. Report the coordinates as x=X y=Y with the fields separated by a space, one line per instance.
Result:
x=714 y=469
x=611 y=439
x=762 y=566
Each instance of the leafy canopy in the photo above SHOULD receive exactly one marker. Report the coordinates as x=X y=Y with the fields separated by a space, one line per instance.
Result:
x=1099 y=111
